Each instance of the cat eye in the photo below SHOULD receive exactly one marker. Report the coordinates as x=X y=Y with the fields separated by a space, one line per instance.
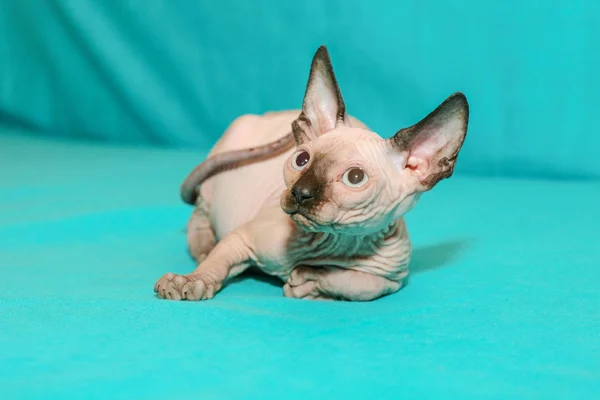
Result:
x=300 y=159
x=354 y=177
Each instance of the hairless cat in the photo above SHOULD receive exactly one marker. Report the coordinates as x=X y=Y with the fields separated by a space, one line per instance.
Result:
x=331 y=226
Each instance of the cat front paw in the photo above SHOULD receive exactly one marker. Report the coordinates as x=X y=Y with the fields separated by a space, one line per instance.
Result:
x=184 y=287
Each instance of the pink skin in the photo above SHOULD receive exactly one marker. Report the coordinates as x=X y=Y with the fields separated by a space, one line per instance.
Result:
x=325 y=236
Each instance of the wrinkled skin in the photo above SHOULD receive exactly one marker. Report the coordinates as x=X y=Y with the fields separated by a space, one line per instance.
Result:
x=331 y=226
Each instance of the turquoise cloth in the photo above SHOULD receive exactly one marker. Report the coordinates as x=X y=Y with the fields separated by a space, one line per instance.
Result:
x=503 y=301
x=105 y=106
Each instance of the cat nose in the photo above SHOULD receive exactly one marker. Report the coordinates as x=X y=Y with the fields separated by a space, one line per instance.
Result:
x=302 y=192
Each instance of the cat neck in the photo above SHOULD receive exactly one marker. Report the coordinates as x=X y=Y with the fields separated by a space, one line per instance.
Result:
x=338 y=243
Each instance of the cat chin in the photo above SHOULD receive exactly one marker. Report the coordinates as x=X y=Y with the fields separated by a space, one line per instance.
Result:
x=305 y=222
x=308 y=224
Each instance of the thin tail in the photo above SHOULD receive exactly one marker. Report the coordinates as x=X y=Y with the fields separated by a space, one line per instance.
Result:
x=230 y=160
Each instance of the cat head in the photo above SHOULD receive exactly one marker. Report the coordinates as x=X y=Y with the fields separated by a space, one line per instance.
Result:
x=345 y=178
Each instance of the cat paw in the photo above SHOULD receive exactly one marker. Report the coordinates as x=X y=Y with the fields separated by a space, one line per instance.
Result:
x=184 y=287
x=303 y=283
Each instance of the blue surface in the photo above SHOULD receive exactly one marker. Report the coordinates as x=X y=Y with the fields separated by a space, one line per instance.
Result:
x=503 y=301
x=178 y=72
x=504 y=298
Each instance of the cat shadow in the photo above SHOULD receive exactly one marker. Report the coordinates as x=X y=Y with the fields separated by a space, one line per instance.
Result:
x=431 y=257
x=254 y=274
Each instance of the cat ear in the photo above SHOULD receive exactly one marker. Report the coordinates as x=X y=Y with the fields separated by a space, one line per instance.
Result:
x=431 y=146
x=323 y=107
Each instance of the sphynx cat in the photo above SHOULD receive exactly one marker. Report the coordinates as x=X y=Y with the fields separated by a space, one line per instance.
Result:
x=331 y=226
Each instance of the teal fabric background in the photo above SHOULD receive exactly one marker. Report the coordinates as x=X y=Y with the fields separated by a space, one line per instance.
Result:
x=177 y=72
x=106 y=105
x=502 y=302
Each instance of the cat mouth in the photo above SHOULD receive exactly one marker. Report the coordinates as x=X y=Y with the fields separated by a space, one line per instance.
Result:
x=299 y=215
x=302 y=214
x=305 y=221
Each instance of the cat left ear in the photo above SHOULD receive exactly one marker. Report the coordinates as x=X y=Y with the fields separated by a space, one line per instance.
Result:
x=431 y=146
x=323 y=107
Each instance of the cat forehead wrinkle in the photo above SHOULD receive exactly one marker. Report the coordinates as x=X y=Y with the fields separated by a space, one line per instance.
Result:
x=340 y=148
x=330 y=158
x=330 y=144
x=351 y=134
x=373 y=152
